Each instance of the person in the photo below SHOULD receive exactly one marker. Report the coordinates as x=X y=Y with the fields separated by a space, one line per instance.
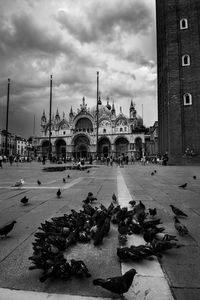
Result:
x=111 y=160
x=91 y=159
x=43 y=160
x=165 y=159
x=1 y=160
x=11 y=158
x=108 y=160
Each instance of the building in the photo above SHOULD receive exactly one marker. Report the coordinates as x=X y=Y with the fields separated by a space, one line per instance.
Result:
x=76 y=136
x=178 y=58
x=151 y=140
x=10 y=142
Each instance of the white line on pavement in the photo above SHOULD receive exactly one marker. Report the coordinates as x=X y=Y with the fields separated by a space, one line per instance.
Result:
x=150 y=282
x=6 y=294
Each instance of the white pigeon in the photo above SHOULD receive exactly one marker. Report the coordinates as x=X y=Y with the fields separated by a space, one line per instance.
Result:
x=19 y=183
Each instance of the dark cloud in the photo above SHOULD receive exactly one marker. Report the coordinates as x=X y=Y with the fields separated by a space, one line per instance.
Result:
x=24 y=35
x=107 y=20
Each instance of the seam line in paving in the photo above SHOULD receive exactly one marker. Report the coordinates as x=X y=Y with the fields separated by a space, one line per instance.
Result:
x=145 y=283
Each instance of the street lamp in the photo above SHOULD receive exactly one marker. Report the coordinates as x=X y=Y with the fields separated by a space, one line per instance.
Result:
x=50 y=104
x=7 y=111
x=99 y=103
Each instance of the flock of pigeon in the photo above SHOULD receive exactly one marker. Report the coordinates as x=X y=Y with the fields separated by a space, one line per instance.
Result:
x=92 y=224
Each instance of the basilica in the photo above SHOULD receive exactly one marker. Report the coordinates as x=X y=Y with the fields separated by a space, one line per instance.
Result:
x=96 y=132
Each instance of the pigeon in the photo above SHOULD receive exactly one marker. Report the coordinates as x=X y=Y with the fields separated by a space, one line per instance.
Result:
x=114 y=198
x=88 y=171
x=182 y=229
x=64 y=180
x=152 y=173
x=132 y=203
x=152 y=212
x=122 y=239
x=19 y=183
x=39 y=182
x=155 y=171
x=58 y=193
x=68 y=176
x=194 y=177
x=183 y=186
x=118 y=285
x=177 y=211
x=165 y=237
x=7 y=228
x=24 y=200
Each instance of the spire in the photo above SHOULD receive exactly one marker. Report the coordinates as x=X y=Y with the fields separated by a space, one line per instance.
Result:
x=132 y=105
x=71 y=114
x=113 y=107
x=43 y=114
x=120 y=110
x=57 y=114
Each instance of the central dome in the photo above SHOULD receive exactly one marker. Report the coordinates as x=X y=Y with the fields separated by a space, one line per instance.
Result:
x=103 y=110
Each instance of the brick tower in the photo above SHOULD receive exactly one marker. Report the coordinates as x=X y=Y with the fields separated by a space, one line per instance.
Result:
x=178 y=59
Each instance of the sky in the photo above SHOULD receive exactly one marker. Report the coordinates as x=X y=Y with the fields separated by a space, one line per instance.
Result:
x=72 y=40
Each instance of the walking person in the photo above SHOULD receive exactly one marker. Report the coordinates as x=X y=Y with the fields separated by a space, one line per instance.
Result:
x=1 y=160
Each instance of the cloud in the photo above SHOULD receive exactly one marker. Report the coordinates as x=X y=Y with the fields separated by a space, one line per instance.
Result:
x=106 y=20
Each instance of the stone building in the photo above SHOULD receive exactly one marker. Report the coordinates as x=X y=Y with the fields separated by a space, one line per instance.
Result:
x=178 y=58
x=76 y=136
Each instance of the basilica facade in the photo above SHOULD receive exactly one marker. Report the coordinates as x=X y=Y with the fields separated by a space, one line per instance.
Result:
x=85 y=134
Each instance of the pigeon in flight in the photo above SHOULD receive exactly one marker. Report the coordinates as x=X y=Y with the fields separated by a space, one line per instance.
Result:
x=7 y=228
x=24 y=200
x=183 y=186
x=118 y=285
x=177 y=211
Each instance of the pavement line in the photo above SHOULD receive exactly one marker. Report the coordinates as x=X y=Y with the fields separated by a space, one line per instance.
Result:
x=7 y=294
x=150 y=282
x=64 y=187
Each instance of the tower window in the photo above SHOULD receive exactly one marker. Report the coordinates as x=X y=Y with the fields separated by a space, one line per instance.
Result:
x=187 y=99
x=104 y=131
x=183 y=24
x=121 y=129
x=185 y=60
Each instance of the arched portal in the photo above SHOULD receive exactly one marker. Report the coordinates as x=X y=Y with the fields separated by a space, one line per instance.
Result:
x=81 y=147
x=121 y=146
x=138 y=148
x=60 y=149
x=104 y=147
x=45 y=148
x=84 y=124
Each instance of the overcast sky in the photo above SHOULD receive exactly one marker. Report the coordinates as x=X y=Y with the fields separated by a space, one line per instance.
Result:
x=72 y=40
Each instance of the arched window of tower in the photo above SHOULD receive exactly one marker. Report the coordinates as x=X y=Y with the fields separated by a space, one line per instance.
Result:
x=183 y=23
x=187 y=98
x=185 y=60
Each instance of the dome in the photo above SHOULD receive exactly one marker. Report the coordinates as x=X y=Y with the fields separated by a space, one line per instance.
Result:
x=103 y=110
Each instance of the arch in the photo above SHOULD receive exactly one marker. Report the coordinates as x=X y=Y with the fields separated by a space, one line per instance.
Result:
x=121 y=146
x=185 y=60
x=187 y=99
x=81 y=146
x=60 y=149
x=138 y=147
x=45 y=148
x=84 y=124
x=104 y=147
x=183 y=23
x=63 y=125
